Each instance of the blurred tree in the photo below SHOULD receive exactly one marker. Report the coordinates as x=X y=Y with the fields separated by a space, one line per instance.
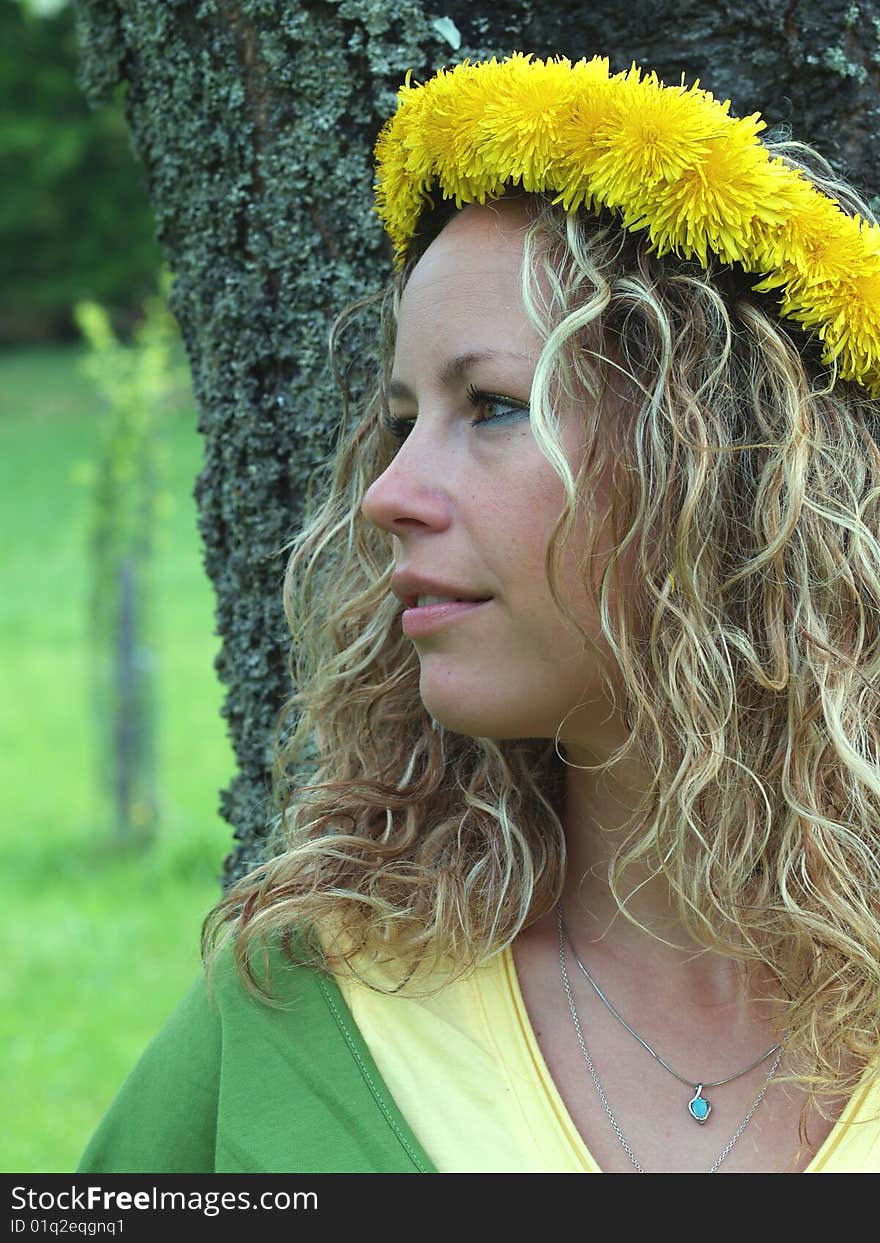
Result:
x=133 y=382
x=74 y=215
x=255 y=120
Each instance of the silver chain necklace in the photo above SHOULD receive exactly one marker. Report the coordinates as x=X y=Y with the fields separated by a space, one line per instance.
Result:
x=563 y=936
x=698 y=1106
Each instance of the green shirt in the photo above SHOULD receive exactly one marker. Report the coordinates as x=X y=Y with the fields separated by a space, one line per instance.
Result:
x=230 y=1084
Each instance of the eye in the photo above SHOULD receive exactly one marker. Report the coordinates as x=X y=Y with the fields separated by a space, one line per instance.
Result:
x=489 y=408
x=493 y=408
x=397 y=429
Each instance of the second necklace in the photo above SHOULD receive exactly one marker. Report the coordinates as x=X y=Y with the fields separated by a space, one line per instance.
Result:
x=698 y=1106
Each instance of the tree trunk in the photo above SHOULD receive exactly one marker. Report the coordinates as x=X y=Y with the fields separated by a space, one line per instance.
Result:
x=255 y=120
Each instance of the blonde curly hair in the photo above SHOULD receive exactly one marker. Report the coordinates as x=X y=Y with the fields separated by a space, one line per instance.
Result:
x=747 y=487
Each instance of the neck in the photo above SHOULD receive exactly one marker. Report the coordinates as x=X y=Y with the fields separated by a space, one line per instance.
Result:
x=597 y=811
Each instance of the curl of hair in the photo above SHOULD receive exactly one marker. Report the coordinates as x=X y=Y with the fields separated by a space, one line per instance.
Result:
x=745 y=471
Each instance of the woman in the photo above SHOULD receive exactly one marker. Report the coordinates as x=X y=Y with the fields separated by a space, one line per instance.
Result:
x=577 y=852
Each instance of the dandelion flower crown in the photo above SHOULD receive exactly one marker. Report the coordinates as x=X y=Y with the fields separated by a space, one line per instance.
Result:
x=669 y=160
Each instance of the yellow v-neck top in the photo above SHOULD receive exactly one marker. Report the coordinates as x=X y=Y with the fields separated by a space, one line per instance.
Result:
x=465 y=1069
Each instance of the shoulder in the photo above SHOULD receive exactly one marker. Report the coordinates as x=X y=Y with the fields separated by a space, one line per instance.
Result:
x=234 y=1084
x=162 y=1118
x=171 y=1112
x=853 y=1145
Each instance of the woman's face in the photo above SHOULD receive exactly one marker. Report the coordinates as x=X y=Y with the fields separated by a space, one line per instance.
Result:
x=471 y=501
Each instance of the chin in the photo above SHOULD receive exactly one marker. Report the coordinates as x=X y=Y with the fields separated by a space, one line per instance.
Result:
x=477 y=717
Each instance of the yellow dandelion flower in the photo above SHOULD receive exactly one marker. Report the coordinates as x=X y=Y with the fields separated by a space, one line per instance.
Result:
x=578 y=130
x=429 y=139
x=845 y=315
x=823 y=244
x=589 y=74
x=854 y=336
x=795 y=229
x=716 y=204
x=651 y=135
x=862 y=335
x=449 y=132
x=398 y=202
x=519 y=130
x=401 y=186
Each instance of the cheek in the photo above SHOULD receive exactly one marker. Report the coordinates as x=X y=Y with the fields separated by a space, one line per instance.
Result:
x=584 y=562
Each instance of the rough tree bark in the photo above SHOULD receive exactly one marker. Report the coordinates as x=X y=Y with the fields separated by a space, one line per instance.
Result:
x=255 y=119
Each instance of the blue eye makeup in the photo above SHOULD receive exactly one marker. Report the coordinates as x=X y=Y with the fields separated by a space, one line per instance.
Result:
x=504 y=408
x=488 y=408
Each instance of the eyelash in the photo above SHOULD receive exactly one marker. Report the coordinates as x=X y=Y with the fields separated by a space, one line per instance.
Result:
x=399 y=429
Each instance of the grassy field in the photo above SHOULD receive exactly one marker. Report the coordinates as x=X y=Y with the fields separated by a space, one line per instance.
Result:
x=99 y=948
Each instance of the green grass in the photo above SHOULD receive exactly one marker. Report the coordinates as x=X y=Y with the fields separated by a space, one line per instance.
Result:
x=99 y=947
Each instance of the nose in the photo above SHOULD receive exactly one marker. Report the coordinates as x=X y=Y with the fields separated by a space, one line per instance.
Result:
x=406 y=497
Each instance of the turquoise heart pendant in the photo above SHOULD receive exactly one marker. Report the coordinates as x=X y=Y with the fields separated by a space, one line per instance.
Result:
x=698 y=1107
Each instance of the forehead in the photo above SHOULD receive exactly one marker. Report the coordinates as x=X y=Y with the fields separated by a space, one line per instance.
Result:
x=478 y=237
x=464 y=294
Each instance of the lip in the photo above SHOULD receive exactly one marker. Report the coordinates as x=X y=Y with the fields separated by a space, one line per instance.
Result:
x=408 y=587
x=417 y=622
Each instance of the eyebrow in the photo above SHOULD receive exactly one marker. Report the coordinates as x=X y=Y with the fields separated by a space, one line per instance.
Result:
x=454 y=369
